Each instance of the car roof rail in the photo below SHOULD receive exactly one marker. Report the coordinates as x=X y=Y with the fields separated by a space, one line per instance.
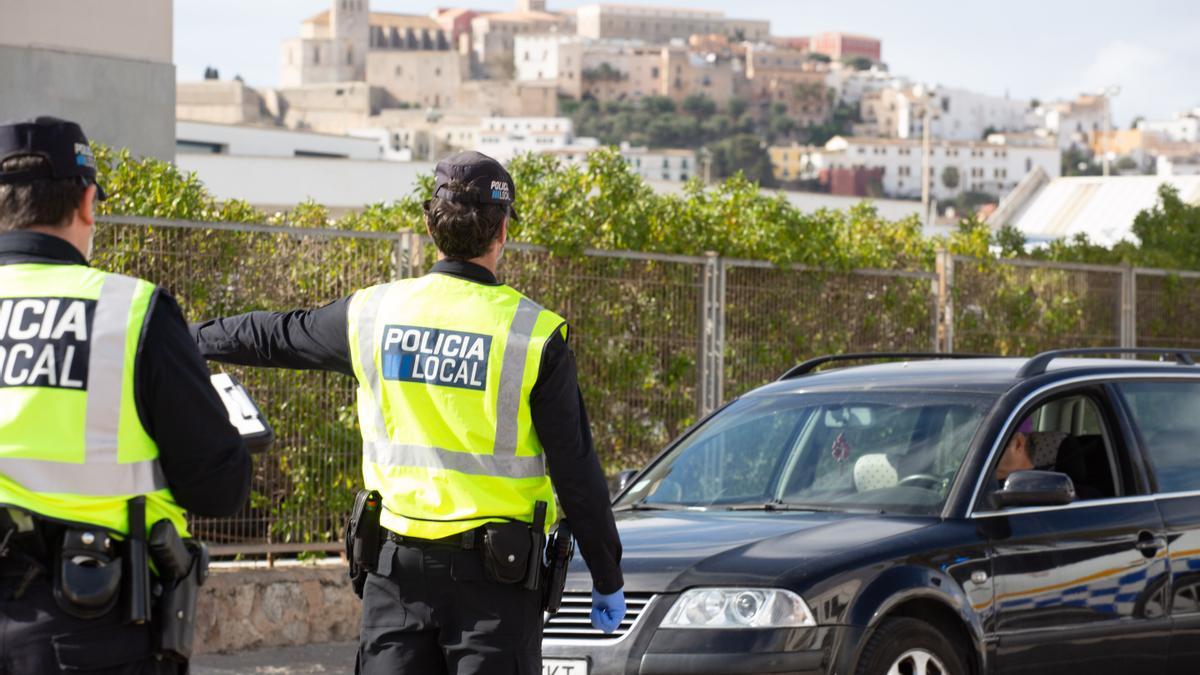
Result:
x=810 y=365
x=1039 y=363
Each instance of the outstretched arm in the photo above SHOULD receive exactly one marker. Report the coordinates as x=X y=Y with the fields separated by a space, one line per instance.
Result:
x=314 y=339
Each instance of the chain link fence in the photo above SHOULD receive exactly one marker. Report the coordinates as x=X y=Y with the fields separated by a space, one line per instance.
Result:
x=660 y=340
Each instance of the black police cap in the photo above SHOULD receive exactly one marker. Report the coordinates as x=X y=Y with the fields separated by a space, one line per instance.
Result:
x=59 y=141
x=486 y=180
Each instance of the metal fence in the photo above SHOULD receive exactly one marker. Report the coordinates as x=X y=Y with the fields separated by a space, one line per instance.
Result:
x=660 y=340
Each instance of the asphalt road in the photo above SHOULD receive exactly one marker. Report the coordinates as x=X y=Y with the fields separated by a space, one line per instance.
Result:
x=337 y=657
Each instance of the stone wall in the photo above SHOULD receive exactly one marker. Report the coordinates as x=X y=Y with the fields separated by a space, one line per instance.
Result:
x=248 y=607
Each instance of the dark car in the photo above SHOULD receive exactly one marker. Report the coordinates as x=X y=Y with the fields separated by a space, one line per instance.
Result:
x=917 y=517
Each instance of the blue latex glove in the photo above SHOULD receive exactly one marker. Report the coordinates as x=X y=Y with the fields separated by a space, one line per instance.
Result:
x=608 y=610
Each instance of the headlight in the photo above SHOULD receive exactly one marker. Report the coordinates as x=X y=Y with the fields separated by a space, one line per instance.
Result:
x=739 y=608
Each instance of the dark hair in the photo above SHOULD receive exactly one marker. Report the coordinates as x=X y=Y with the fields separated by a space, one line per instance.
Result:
x=44 y=201
x=463 y=231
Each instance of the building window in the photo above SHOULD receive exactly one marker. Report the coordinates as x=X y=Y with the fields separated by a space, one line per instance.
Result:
x=316 y=55
x=399 y=71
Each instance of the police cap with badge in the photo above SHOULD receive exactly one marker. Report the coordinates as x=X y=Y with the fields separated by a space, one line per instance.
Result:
x=60 y=142
x=486 y=181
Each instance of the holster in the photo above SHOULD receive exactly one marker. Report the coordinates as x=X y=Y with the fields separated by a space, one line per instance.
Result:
x=87 y=573
x=558 y=558
x=364 y=537
x=182 y=569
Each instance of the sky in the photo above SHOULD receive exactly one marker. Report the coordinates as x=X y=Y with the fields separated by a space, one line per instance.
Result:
x=1041 y=49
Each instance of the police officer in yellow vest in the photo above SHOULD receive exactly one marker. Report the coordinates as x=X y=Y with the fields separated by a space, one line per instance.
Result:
x=107 y=418
x=471 y=415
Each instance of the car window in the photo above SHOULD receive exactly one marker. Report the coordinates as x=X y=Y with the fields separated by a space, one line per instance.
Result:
x=1066 y=434
x=878 y=450
x=1167 y=415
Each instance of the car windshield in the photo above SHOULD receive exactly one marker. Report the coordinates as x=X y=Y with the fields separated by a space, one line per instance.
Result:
x=877 y=451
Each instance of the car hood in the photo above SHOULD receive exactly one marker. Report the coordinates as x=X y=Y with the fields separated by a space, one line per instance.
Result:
x=668 y=551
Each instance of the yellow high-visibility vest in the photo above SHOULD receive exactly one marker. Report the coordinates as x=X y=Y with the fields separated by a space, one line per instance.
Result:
x=72 y=445
x=445 y=368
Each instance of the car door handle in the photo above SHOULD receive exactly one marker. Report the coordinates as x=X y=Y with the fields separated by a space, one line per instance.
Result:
x=1149 y=544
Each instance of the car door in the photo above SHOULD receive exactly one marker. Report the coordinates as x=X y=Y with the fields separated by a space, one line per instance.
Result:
x=1166 y=415
x=1079 y=586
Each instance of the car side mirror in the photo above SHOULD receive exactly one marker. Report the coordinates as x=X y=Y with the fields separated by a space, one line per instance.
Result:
x=1035 y=488
x=621 y=481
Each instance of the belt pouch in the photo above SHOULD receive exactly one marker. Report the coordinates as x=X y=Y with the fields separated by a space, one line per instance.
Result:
x=506 y=551
x=87 y=573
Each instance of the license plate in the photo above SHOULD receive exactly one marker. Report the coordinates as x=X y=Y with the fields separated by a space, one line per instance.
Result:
x=564 y=667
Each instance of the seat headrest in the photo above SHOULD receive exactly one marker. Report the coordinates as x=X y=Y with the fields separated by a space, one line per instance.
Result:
x=1044 y=447
x=874 y=472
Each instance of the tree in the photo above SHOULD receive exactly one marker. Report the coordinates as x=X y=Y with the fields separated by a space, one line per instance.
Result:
x=738 y=106
x=819 y=57
x=858 y=62
x=745 y=154
x=658 y=105
x=699 y=105
x=950 y=177
x=1169 y=232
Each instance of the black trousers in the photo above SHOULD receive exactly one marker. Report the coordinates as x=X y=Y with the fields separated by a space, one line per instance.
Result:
x=431 y=611
x=38 y=637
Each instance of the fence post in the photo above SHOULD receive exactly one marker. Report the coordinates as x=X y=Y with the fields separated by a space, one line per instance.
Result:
x=945 y=300
x=711 y=359
x=1128 y=306
x=406 y=256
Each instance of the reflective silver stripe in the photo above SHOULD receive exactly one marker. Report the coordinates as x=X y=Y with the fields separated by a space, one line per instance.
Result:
x=366 y=353
x=418 y=456
x=106 y=368
x=512 y=376
x=87 y=480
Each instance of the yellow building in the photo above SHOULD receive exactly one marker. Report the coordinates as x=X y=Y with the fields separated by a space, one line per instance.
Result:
x=793 y=162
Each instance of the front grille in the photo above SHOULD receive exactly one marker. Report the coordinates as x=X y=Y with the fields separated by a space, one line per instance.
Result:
x=573 y=623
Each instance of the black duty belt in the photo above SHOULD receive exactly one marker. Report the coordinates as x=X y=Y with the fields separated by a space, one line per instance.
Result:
x=464 y=540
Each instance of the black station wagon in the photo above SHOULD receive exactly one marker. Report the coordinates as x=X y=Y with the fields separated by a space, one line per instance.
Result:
x=924 y=516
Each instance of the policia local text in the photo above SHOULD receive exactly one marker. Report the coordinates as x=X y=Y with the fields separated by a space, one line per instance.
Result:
x=43 y=342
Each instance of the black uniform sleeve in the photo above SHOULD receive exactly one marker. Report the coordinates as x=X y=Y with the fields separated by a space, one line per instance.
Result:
x=560 y=419
x=205 y=462
x=302 y=339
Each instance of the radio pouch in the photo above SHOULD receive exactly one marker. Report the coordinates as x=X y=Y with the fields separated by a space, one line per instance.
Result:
x=87 y=578
x=558 y=560
x=506 y=551
x=364 y=537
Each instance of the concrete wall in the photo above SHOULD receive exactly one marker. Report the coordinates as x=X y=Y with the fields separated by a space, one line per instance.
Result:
x=119 y=101
x=132 y=29
x=257 y=141
x=245 y=607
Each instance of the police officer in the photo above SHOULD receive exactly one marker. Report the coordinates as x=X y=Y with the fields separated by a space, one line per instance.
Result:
x=467 y=397
x=103 y=399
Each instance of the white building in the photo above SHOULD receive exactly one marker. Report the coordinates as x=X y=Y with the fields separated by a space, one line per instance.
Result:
x=106 y=65
x=255 y=141
x=955 y=114
x=956 y=166
x=851 y=84
x=507 y=137
x=666 y=165
x=554 y=58
x=1075 y=123
x=1183 y=128
x=1177 y=165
